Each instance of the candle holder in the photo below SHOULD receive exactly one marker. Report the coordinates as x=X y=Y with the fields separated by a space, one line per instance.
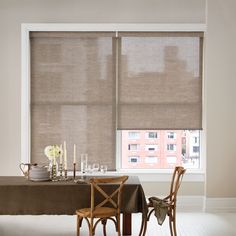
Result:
x=54 y=172
x=74 y=170
x=61 y=170
x=65 y=171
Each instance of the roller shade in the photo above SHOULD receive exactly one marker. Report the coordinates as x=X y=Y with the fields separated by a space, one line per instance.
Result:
x=72 y=91
x=160 y=80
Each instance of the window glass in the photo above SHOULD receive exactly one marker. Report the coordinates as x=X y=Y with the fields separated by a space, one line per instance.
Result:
x=171 y=148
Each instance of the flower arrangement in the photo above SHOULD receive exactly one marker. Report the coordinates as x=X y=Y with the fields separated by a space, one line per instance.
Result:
x=52 y=151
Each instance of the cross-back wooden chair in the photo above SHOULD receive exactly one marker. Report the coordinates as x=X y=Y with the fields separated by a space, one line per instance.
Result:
x=169 y=201
x=108 y=208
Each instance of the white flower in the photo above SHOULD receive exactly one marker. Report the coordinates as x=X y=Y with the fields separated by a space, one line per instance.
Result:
x=52 y=151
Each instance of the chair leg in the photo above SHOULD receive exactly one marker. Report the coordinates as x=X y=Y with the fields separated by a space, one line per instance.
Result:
x=145 y=222
x=143 y=228
x=118 y=224
x=79 y=222
x=91 y=230
x=175 y=231
x=171 y=228
x=174 y=223
x=104 y=222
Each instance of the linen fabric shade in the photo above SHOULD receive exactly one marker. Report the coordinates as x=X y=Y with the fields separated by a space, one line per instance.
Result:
x=72 y=94
x=160 y=80
x=86 y=85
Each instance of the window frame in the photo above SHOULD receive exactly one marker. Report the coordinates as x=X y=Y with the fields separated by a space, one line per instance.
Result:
x=194 y=175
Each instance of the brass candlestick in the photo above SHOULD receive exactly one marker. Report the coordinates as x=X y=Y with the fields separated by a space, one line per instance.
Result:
x=54 y=172
x=61 y=170
x=74 y=170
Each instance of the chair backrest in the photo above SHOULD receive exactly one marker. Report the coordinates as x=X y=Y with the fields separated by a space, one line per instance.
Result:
x=176 y=182
x=114 y=197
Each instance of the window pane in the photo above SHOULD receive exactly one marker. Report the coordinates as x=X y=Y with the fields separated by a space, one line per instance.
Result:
x=171 y=148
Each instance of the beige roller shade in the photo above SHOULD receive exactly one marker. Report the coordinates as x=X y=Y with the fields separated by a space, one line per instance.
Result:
x=160 y=81
x=73 y=94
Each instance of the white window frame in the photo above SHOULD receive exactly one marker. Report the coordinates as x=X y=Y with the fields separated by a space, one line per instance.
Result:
x=145 y=175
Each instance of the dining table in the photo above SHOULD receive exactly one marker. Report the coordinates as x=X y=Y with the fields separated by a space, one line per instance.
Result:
x=20 y=196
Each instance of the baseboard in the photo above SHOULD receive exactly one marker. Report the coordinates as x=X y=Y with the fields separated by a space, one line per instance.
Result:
x=190 y=203
x=220 y=205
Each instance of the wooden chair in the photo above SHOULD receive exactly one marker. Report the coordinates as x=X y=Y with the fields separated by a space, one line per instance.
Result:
x=108 y=208
x=170 y=201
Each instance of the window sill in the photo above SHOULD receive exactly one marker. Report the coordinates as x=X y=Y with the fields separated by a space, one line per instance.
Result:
x=164 y=175
x=156 y=175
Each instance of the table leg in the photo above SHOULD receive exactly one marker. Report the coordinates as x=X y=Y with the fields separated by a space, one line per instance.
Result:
x=127 y=224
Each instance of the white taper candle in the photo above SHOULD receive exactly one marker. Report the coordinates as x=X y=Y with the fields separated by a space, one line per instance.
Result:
x=74 y=161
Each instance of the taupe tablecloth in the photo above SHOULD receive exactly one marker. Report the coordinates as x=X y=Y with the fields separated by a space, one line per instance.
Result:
x=19 y=196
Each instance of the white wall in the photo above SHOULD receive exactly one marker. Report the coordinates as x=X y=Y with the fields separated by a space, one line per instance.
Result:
x=221 y=98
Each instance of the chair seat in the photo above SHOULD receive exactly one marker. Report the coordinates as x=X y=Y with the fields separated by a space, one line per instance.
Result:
x=99 y=212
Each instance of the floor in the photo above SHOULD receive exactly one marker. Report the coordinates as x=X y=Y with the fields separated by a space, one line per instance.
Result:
x=189 y=224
